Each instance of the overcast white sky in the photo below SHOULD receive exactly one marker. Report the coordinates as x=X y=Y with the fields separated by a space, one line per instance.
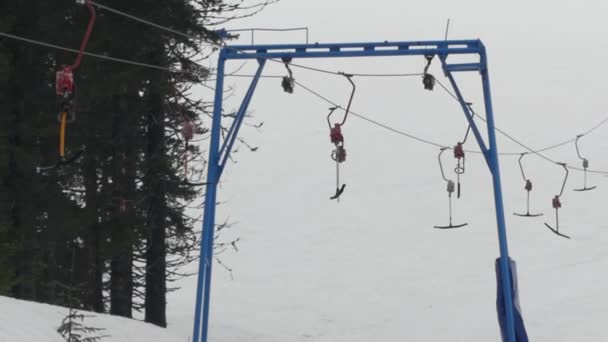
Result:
x=309 y=268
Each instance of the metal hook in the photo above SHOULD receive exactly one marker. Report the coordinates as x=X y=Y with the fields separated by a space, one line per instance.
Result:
x=87 y=35
x=429 y=60
x=585 y=165
x=350 y=101
x=331 y=111
x=564 y=165
x=521 y=167
x=576 y=145
x=288 y=82
x=443 y=149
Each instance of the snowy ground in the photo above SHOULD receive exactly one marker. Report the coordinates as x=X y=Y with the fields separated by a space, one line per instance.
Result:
x=22 y=321
x=371 y=268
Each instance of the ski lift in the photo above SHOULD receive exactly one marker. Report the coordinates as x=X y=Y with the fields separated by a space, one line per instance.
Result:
x=528 y=188
x=188 y=134
x=65 y=89
x=450 y=190
x=288 y=82
x=585 y=166
x=428 y=80
x=556 y=203
x=336 y=138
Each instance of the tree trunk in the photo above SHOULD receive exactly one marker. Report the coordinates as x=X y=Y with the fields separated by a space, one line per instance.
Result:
x=94 y=297
x=122 y=235
x=156 y=287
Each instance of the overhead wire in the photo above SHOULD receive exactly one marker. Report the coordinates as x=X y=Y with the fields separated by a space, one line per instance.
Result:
x=91 y=54
x=374 y=122
x=504 y=133
x=149 y=23
x=537 y=152
x=157 y=67
x=99 y=56
x=448 y=91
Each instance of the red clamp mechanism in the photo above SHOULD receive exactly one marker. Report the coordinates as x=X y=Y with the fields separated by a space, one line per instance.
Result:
x=556 y=202
x=335 y=134
x=459 y=155
x=459 y=151
x=64 y=82
x=528 y=185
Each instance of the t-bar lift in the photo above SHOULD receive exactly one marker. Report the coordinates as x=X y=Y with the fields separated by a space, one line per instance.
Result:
x=219 y=151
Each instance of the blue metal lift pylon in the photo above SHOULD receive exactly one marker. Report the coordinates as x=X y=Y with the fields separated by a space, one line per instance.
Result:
x=219 y=153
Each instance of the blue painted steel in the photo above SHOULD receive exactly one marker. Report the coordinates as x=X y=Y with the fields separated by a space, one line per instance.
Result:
x=238 y=120
x=491 y=156
x=218 y=157
x=350 y=53
x=464 y=67
x=467 y=111
x=471 y=43
x=201 y=312
x=422 y=48
x=520 y=328
x=500 y=211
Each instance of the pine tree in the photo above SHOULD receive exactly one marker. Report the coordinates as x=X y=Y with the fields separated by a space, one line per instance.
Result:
x=124 y=200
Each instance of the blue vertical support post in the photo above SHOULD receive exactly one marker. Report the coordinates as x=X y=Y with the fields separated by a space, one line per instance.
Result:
x=205 y=264
x=498 y=202
x=491 y=155
x=218 y=156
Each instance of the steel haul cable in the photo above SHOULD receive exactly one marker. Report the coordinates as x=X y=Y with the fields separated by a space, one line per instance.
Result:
x=157 y=67
x=100 y=56
x=537 y=152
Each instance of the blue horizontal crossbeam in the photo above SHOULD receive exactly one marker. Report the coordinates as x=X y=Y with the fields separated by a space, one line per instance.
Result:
x=463 y=67
x=379 y=49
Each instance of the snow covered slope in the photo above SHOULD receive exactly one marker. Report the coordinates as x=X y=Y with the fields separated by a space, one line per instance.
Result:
x=22 y=321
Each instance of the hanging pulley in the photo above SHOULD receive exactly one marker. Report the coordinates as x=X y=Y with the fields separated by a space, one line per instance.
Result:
x=288 y=82
x=428 y=80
